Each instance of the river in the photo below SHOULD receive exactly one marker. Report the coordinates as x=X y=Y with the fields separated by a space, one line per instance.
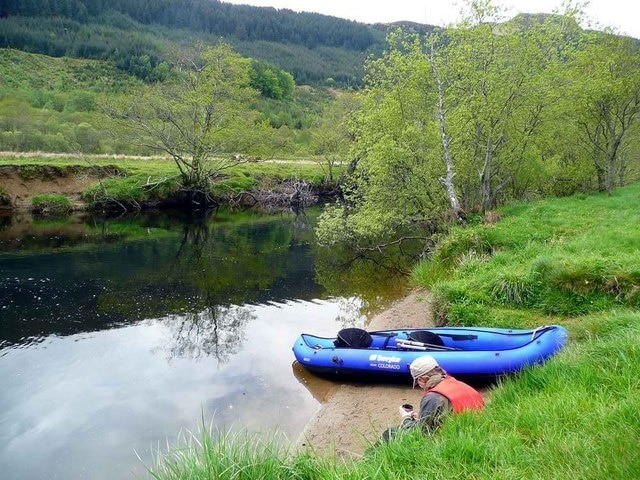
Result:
x=118 y=335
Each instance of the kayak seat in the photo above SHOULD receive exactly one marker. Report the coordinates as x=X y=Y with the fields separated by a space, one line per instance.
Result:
x=353 y=338
x=424 y=336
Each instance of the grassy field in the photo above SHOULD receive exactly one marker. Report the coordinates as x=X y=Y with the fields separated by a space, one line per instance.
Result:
x=574 y=261
x=309 y=167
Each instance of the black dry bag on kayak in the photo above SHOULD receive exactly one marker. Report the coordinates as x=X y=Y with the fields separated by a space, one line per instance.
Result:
x=353 y=338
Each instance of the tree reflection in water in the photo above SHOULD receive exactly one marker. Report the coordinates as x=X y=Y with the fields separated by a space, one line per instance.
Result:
x=200 y=274
x=195 y=236
x=350 y=312
x=373 y=279
x=218 y=332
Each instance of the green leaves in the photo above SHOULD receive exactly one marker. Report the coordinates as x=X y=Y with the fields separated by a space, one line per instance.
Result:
x=493 y=112
x=201 y=116
x=605 y=82
x=271 y=81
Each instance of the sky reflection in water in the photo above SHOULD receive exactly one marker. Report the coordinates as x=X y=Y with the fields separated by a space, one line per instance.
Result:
x=78 y=406
x=114 y=345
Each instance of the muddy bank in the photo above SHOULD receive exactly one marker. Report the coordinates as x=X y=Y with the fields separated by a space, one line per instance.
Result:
x=19 y=184
x=82 y=186
x=354 y=415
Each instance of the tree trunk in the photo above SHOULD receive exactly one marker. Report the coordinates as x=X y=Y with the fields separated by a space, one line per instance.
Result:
x=612 y=160
x=448 y=180
x=602 y=182
x=610 y=175
x=485 y=177
x=622 y=170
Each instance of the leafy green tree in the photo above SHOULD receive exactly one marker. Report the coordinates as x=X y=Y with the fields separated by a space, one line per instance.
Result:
x=273 y=82
x=606 y=92
x=499 y=79
x=332 y=138
x=200 y=118
x=394 y=185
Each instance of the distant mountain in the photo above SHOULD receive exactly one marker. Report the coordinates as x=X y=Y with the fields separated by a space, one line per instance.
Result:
x=313 y=47
x=138 y=35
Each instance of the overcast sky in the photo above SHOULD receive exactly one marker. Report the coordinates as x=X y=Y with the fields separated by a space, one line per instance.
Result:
x=623 y=15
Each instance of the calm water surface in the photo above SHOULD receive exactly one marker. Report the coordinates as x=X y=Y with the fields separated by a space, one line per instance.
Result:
x=116 y=335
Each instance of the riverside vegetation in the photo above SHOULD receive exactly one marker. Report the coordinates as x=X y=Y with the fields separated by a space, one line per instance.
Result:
x=573 y=261
x=78 y=107
x=466 y=119
x=446 y=128
x=130 y=183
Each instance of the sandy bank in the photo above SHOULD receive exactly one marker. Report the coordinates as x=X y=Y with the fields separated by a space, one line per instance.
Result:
x=353 y=414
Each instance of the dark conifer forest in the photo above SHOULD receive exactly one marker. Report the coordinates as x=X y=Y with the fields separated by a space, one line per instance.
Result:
x=138 y=35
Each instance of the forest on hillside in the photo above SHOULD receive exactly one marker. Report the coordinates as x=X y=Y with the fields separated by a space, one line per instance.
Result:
x=313 y=47
x=211 y=16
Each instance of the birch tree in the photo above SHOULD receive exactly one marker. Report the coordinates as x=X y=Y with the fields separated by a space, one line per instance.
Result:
x=448 y=181
x=501 y=77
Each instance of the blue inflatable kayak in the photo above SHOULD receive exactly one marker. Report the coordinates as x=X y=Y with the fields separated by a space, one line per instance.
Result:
x=464 y=352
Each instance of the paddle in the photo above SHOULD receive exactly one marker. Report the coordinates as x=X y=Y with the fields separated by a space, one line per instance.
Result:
x=411 y=345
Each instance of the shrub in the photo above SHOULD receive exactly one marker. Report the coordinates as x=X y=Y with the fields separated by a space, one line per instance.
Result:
x=463 y=243
x=50 y=204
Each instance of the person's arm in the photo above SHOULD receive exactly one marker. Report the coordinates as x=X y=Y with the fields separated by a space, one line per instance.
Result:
x=433 y=407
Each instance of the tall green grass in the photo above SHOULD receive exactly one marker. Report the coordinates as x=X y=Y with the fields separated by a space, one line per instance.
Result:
x=558 y=257
x=574 y=261
x=231 y=455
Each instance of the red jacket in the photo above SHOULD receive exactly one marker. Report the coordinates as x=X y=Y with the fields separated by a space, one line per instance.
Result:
x=461 y=395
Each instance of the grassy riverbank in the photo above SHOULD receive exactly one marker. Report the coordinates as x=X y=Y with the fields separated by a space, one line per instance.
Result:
x=574 y=261
x=131 y=182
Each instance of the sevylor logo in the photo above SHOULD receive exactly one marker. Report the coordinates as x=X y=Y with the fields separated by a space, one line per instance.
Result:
x=383 y=358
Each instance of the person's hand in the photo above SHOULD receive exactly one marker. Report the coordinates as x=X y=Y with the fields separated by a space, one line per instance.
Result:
x=405 y=413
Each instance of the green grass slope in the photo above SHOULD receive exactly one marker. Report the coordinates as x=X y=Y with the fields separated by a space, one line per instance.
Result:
x=52 y=104
x=574 y=261
x=27 y=71
x=558 y=257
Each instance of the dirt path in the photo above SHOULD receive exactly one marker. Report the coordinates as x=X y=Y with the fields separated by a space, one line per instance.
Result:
x=353 y=415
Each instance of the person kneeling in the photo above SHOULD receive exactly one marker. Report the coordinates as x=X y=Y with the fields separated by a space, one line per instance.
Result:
x=442 y=394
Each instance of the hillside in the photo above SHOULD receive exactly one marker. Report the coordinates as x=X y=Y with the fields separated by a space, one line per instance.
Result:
x=138 y=35
x=24 y=71
x=314 y=48
x=57 y=105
